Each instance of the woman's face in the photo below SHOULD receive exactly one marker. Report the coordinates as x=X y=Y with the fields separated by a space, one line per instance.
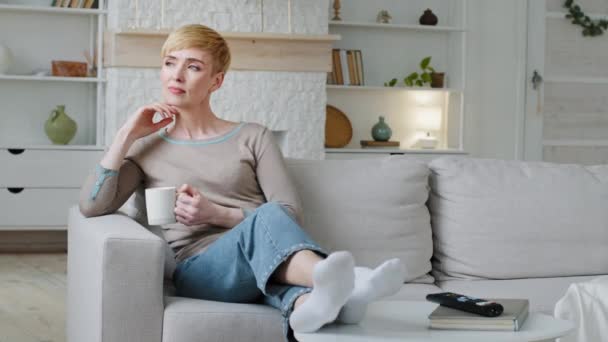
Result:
x=187 y=77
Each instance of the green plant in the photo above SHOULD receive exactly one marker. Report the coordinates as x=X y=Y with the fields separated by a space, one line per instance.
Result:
x=590 y=27
x=415 y=78
x=419 y=79
x=390 y=83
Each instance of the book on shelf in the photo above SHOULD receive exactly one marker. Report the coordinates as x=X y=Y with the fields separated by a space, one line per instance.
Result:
x=75 y=3
x=344 y=66
x=352 y=74
x=374 y=144
x=89 y=4
x=359 y=61
x=347 y=68
x=337 y=70
x=512 y=319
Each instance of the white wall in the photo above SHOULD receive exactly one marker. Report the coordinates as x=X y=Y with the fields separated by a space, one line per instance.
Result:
x=575 y=108
x=495 y=84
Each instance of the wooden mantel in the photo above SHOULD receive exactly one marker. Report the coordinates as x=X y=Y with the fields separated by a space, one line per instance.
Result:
x=250 y=51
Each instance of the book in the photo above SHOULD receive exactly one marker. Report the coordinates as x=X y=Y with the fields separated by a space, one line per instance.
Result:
x=512 y=319
x=359 y=60
x=351 y=67
x=337 y=66
x=373 y=143
x=356 y=67
x=344 y=67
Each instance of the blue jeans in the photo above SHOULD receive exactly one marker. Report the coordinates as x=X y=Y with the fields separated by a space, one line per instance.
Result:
x=237 y=267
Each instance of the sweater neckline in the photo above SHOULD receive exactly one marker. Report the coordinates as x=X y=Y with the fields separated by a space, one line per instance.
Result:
x=215 y=140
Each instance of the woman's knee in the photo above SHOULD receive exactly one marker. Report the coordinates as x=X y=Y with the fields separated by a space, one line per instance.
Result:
x=273 y=208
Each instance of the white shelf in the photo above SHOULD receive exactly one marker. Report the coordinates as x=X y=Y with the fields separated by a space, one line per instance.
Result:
x=378 y=88
x=49 y=9
x=394 y=150
x=396 y=26
x=576 y=143
x=54 y=147
x=51 y=78
x=591 y=80
x=395 y=50
x=562 y=15
x=35 y=228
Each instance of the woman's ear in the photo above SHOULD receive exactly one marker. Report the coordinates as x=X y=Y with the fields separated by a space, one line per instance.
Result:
x=218 y=79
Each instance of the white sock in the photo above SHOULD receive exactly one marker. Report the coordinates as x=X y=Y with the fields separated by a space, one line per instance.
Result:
x=333 y=281
x=370 y=285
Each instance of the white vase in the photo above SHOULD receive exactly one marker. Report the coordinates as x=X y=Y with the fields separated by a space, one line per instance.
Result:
x=6 y=58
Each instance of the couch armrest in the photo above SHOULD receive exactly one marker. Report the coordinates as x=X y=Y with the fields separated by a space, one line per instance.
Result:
x=114 y=280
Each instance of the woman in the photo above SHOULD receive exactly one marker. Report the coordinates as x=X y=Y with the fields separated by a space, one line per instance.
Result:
x=237 y=236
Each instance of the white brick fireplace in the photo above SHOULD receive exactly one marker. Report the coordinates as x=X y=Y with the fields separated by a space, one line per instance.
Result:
x=287 y=101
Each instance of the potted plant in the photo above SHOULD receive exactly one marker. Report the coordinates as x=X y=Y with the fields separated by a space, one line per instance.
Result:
x=437 y=79
x=426 y=76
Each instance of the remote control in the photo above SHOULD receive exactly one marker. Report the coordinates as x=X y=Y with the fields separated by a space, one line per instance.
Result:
x=465 y=303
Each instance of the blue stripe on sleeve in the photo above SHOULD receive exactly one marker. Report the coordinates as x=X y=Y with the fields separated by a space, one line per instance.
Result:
x=102 y=174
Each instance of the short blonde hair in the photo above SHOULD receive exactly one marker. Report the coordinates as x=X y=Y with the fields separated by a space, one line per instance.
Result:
x=202 y=37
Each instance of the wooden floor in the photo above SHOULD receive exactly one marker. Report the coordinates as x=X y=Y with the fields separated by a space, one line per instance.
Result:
x=32 y=297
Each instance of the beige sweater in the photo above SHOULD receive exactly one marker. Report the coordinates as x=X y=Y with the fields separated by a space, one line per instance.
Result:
x=243 y=169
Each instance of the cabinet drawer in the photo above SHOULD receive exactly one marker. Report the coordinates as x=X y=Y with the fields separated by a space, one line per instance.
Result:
x=46 y=168
x=36 y=207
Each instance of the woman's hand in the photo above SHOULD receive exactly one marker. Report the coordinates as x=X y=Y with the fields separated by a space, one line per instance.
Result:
x=140 y=123
x=193 y=208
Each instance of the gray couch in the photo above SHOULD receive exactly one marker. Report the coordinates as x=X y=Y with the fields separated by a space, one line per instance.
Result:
x=486 y=228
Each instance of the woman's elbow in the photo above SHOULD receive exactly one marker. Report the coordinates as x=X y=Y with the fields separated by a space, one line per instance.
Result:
x=88 y=210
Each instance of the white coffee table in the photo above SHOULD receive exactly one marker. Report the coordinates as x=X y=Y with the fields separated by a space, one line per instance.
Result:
x=408 y=321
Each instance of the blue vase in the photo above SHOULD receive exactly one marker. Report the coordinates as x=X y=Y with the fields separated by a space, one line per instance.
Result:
x=381 y=131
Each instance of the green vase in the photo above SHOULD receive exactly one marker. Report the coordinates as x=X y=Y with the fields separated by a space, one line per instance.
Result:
x=381 y=131
x=59 y=127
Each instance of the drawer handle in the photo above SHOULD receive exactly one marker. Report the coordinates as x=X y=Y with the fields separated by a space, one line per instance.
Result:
x=15 y=190
x=16 y=151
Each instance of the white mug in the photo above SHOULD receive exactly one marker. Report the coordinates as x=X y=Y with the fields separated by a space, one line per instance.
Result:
x=160 y=205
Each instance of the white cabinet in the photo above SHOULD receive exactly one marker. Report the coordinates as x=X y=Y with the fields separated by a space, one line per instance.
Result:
x=30 y=207
x=38 y=185
x=39 y=181
x=393 y=51
x=46 y=168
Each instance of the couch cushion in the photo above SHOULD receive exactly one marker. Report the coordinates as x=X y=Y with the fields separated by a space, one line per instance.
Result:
x=543 y=293
x=374 y=208
x=189 y=320
x=510 y=219
x=411 y=291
